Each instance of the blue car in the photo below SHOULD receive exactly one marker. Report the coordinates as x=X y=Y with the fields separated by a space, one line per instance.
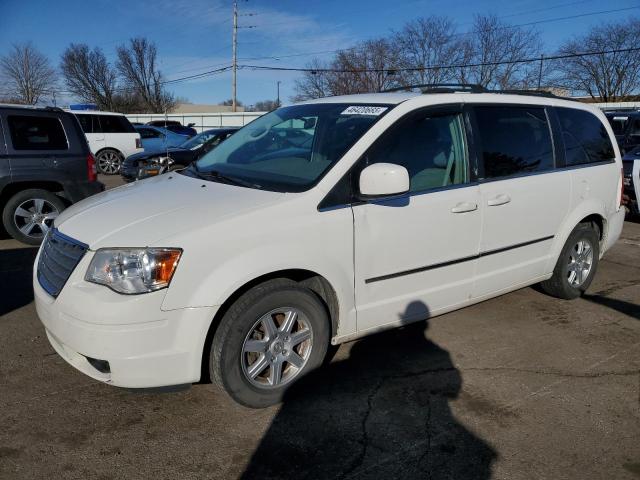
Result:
x=175 y=127
x=156 y=139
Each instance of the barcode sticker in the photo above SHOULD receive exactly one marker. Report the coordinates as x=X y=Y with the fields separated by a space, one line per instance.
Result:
x=364 y=110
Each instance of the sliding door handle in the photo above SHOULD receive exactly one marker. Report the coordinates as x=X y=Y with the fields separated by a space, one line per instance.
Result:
x=499 y=200
x=463 y=207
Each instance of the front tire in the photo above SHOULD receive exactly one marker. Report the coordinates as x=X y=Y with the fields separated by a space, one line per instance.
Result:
x=576 y=265
x=109 y=161
x=269 y=338
x=29 y=215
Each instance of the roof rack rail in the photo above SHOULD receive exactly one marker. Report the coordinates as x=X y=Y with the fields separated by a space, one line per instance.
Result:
x=440 y=88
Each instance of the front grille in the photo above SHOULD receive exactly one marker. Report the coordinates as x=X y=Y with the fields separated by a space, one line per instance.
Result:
x=59 y=256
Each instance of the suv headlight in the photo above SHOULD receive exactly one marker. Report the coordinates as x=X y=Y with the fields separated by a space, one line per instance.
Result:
x=133 y=270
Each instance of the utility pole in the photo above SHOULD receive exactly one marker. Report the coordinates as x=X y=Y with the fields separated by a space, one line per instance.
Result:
x=540 y=72
x=235 y=55
x=278 y=100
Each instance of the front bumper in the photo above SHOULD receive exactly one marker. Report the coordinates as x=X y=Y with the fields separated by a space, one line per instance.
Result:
x=145 y=346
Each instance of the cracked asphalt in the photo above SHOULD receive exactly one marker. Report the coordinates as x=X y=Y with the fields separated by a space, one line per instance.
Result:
x=523 y=386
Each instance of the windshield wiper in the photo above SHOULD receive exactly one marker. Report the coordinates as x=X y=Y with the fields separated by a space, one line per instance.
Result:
x=216 y=175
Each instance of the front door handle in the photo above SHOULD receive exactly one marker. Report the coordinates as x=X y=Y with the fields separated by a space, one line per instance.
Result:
x=463 y=207
x=499 y=200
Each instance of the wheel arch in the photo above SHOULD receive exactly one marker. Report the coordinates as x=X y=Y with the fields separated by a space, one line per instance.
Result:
x=13 y=188
x=307 y=278
x=112 y=149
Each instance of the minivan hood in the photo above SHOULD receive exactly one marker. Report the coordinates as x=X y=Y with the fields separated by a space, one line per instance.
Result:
x=141 y=213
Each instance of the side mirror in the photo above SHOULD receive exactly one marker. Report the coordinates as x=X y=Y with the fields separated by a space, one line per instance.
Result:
x=383 y=180
x=190 y=125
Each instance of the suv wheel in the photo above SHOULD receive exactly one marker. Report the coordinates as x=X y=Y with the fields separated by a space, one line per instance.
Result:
x=109 y=162
x=29 y=215
x=269 y=338
x=576 y=265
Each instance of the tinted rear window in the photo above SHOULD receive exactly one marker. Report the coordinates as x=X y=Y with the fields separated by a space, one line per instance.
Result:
x=514 y=140
x=36 y=133
x=585 y=137
x=115 y=124
x=87 y=123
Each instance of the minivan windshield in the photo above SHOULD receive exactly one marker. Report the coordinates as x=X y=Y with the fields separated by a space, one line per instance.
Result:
x=291 y=148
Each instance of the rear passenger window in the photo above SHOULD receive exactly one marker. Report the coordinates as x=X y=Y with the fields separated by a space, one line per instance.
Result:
x=585 y=138
x=148 y=133
x=36 y=133
x=432 y=149
x=514 y=140
x=115 y=124
x=86 y=123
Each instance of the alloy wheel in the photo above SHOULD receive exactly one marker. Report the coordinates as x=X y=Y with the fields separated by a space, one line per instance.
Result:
x=109 y=162
x=34 y=217
x=277 y=348
x=580 y=263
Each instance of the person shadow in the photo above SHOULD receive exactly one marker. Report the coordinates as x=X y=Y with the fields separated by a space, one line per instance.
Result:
x=381 y=413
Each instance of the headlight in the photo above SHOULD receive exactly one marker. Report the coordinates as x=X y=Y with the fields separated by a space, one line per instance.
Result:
x=133 y=270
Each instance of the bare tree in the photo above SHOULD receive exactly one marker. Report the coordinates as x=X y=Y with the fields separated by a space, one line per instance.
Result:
x=264 y=106
x=607 y=76
x=492 y=49
x=28 y=74
x=229 y=102
x=370 y=66
x=428 y=43
x=314 y=83
x=137 y=66
x=89 y=75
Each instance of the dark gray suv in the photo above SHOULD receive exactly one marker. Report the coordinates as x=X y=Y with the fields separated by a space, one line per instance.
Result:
x=45 y=165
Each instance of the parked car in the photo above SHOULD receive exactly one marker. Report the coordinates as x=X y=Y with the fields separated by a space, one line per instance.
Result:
x=173 y=158
x=175 y=127
x=264 y=252
x=45 y=165
x=626 y=126
x=631 y=169
x=111 y=138
x=156 y=139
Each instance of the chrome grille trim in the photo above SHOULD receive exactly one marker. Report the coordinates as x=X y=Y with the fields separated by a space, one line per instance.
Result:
x=59 y=257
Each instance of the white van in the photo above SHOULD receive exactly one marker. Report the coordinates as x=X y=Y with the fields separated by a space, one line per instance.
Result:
x=111 y=138
x=326 y=221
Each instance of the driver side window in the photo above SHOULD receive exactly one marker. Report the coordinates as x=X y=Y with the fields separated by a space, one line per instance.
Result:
x=431 y=147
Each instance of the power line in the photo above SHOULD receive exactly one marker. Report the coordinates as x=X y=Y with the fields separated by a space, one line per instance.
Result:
x=437 y=67
x=538 y=22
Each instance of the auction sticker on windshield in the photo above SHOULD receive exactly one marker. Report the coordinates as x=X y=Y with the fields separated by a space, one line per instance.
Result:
x=363 y=110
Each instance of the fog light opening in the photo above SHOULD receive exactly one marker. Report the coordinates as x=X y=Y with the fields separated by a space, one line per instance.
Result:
x=101 y=365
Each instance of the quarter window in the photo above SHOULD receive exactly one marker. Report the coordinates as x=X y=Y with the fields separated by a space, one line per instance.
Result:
x=36 y=133
x=86 y=122
x=431 y=147
x=115 y=124
x=514 y=140
x=585 y=137
x=148 y=133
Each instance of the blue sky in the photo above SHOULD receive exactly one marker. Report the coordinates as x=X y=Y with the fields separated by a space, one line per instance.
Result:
x=193 y=36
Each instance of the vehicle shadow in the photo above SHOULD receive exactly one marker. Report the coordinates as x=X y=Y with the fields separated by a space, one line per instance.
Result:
x=382 y=413
x=16 y=267
x=627 y=308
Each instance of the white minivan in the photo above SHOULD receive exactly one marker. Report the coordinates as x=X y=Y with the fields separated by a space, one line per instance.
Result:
x=111 y=138
x=322 y=222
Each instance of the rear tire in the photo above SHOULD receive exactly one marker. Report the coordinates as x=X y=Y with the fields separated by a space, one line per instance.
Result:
x=244 y=342
x=577 y=263
x=29 y=215
x=109 y=161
